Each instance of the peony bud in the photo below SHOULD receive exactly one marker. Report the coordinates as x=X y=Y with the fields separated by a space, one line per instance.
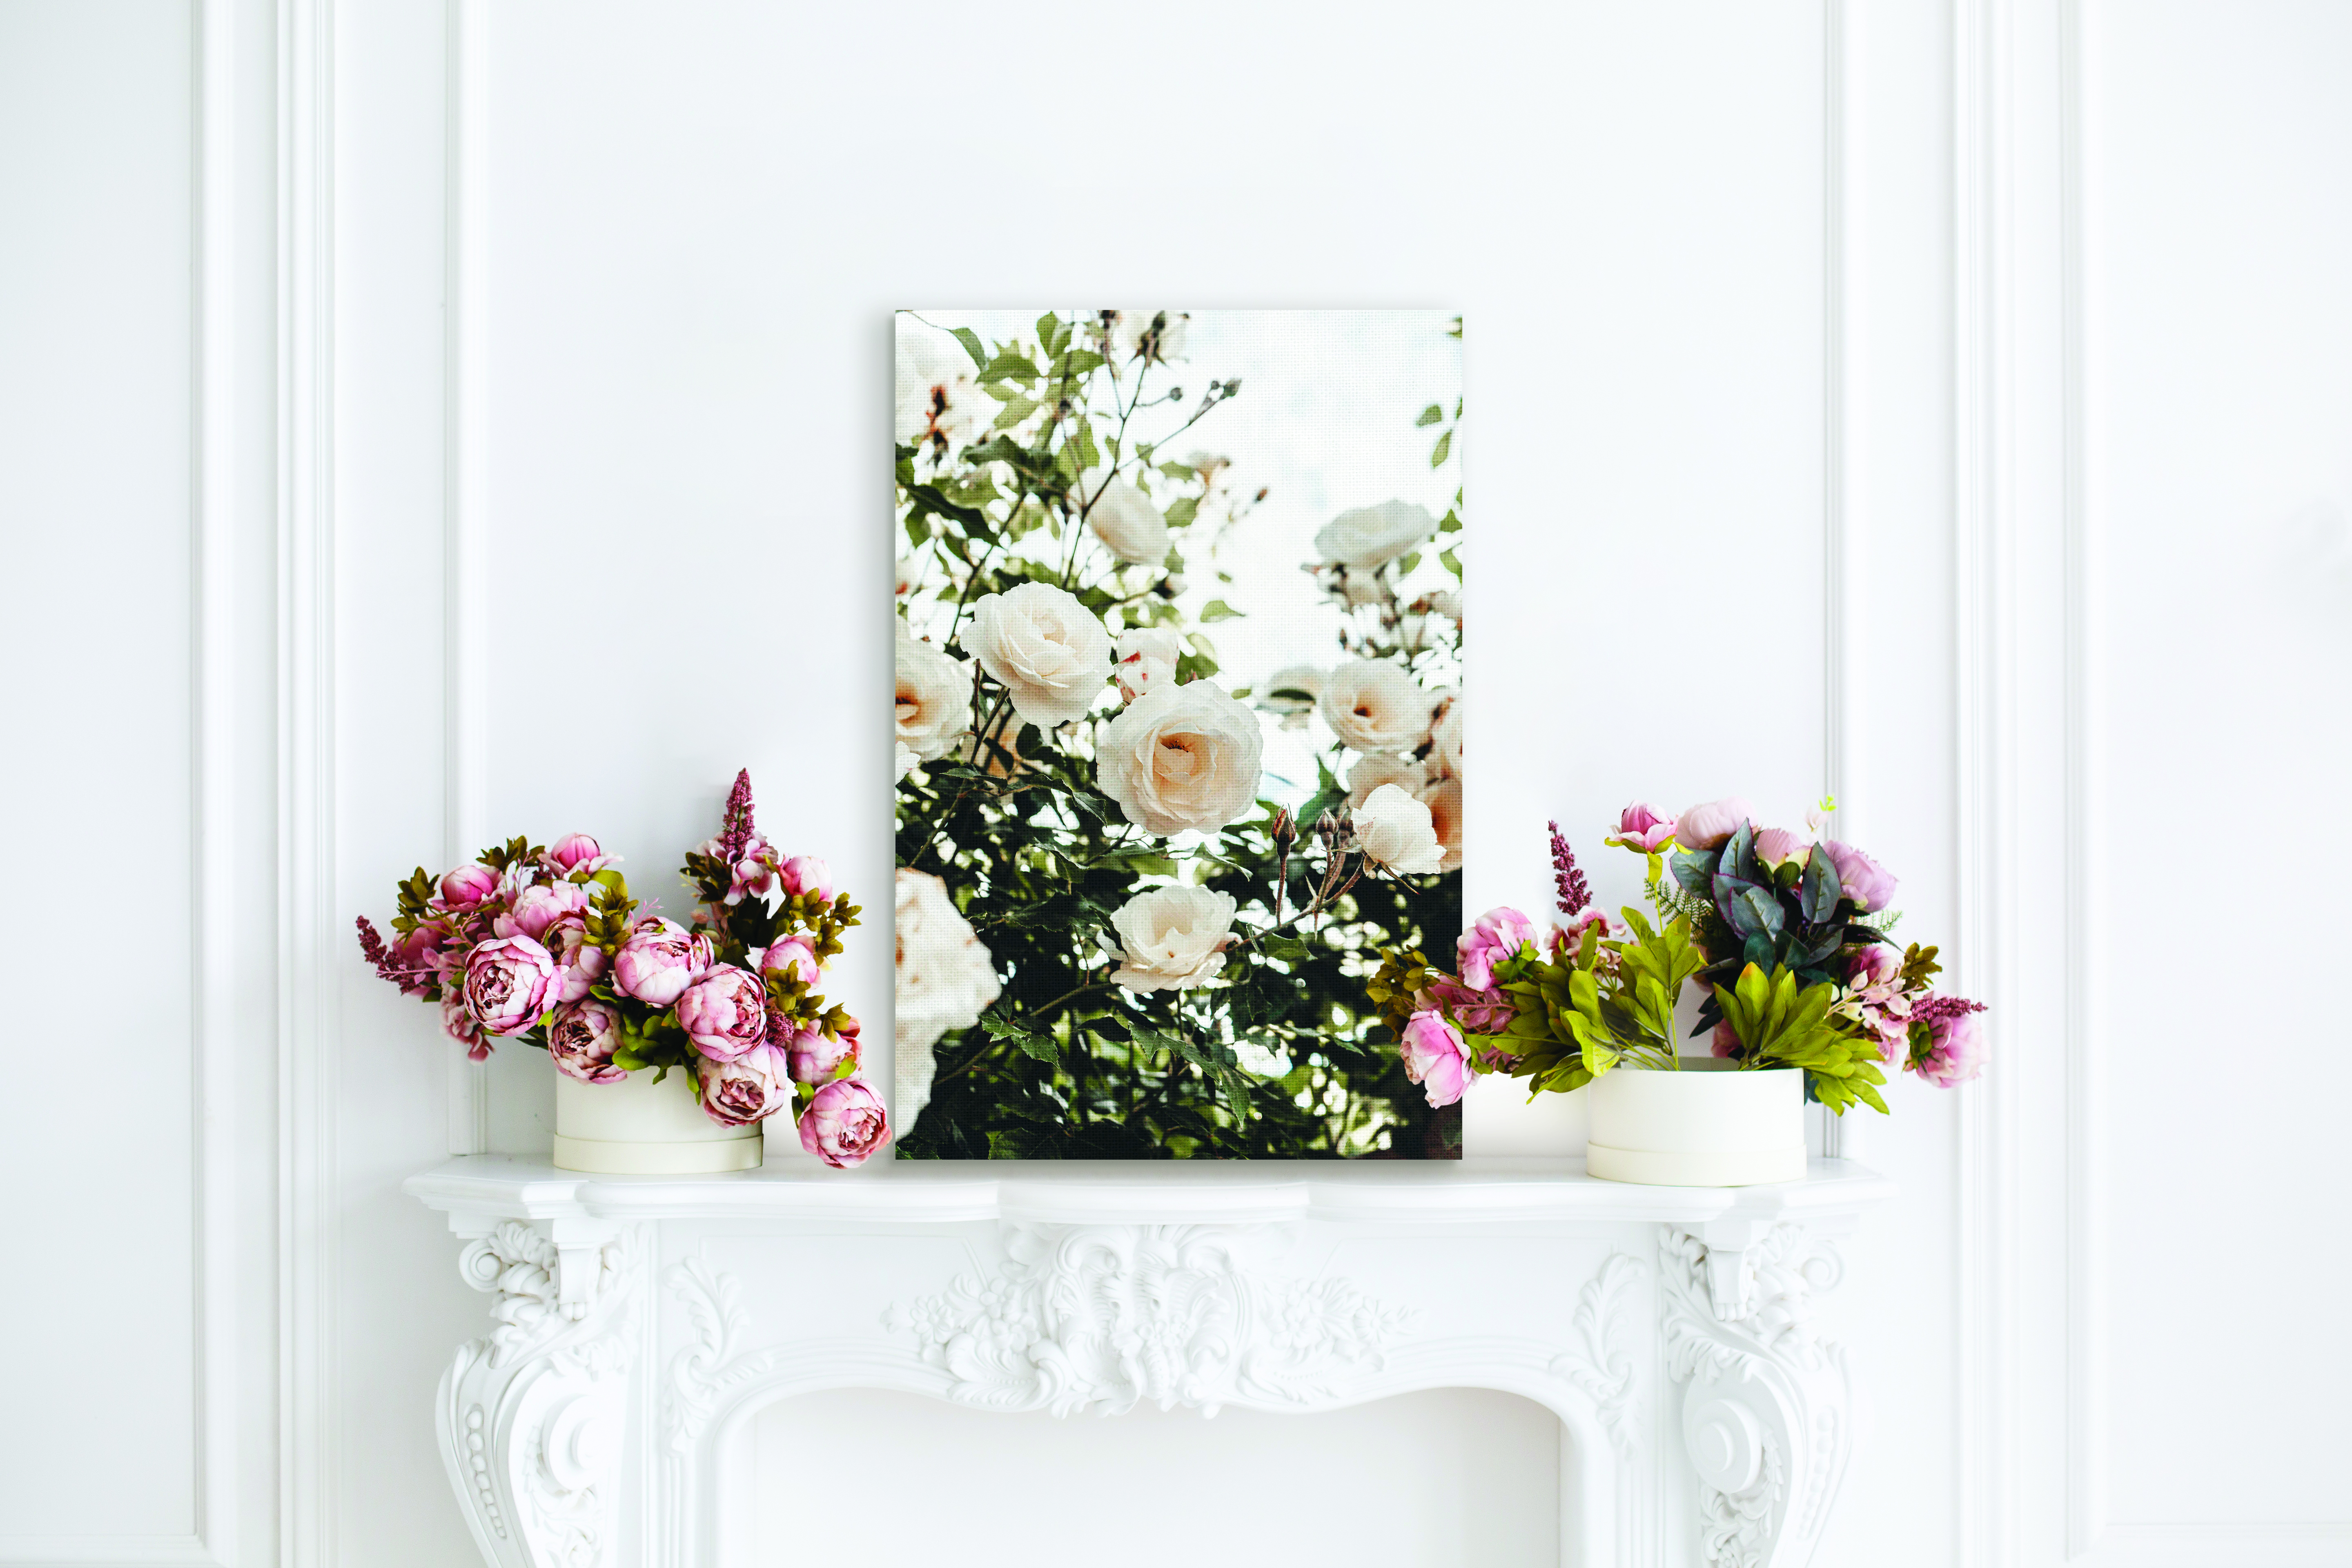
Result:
x=750 y=1088
x=1870 y=885
x=659 y=960
x=581 y=1039
x=805 y=874
x=1710 y=826
x=1497 y=935
x=468 y=887
x=1640 y=826
x=725 y=1012
x=812 y=1057
x=1435 y=1057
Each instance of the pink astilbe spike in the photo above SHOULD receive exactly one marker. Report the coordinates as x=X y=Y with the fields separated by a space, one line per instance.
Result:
x=735 y=834
x=1931 y=1009
x=1574 y=894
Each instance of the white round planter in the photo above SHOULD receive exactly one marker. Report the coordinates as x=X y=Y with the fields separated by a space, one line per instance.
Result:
x=640 y=1128
x=1709 y=1125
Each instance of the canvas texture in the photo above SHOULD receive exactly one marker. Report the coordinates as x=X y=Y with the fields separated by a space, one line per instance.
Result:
x=1179 y=728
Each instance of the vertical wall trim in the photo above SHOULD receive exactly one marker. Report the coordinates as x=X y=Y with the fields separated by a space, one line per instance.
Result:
x=1842 y=595
x=2087 y=1488
x=1986 y=761
x=465 y=537
x=213 y=1137
x=307 y=941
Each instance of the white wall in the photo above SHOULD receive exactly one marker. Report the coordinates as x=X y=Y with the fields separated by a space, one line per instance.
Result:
x=1985 y=360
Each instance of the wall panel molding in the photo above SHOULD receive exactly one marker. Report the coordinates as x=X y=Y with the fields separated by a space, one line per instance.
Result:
x=308 y=1034
x=465 y=528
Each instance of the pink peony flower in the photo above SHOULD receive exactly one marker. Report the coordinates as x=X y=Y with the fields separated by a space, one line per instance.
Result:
x=537 y=907
x=509 y=982
x=813 y=1058
x=1435 y=1057
x=791 y=956
x=576 y=853
x=1707 y=826
x=581 y=1039
x=460 y=1025
x=1876 y=998
x=1778 y=846
x=1498 y=934
x=1955 y=1051
x=1567 y=939
x=1724 y=1041
x=425 y=951
x=1474 y=1012
x=805 y=874
x=754 y=869
x=1865 y=882
x=660 y=959
x=725 y=1012
x=751 y=1088
x=581 y=962
x=1640 y=826
x=844 y=1123
x=467 y=888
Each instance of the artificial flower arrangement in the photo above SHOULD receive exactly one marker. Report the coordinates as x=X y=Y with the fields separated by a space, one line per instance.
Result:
x=547 y=948
x=1788 y=935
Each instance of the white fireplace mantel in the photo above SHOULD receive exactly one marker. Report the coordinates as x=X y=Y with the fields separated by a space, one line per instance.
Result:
x=640 y=1321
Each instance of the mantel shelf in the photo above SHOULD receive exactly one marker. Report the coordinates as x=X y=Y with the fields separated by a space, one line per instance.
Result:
x=497 y=1186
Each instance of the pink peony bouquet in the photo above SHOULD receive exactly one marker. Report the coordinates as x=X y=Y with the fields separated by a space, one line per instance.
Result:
x=546 y=947
x=1784 y=933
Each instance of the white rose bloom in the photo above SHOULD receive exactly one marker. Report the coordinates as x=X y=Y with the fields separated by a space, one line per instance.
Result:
x=1398 y=832
x=1373 y=535
x=1183 y=756
x=934 y=698
x=1361 y=588
x=1445 y=738
x=1448 y=602
x=1175 y=938
x=1048 y=650
x=1147 y=660
x=1444 y=798
x=907 y=761
x=1294 y=677
x=945 y=980
x=1122 y=517
x=1371 y=773
x=939 y=398
x=1373 y=705
x=1208 y=465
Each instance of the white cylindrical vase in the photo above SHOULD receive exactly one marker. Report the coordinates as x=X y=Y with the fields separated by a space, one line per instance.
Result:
x=640 y=1128
x=1709 y=1125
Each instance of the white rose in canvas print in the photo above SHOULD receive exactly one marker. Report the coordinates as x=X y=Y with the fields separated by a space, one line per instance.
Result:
x=1179 y=739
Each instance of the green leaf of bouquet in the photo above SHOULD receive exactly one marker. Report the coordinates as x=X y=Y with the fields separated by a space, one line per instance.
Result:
x=972 y=345
x=1429 y=415
x=1438 y=454
x=1695 y=872
x=1452 y=561
x=1818 y=894
x=1218 y=610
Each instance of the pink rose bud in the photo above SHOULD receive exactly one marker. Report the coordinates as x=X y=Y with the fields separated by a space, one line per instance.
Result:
x=1779 y=846
x=813 y=1058
x=1724 y=1041
x=466 y=887
x=1435 y=1057
x=1498 y=935
x=725 y=1012
x=1864 y=881
x=538 y=907
x=805 y=874
x=509 y=982
x=1709 y=826
x=1641 y=826
x=791 y=956
x=581 y=964
x=460 y=1025
x=1570 y=938
x=844 y=1123
x=660 y=959
x=421 y=949
x=751 y=1088
x=576 y=852
x=582 y=1038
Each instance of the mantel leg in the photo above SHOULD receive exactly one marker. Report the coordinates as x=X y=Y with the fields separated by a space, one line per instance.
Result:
x=1768 y=1402
x=531 y=1416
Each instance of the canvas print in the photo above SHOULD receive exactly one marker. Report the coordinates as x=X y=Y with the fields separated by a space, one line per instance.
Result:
x=1179 y=728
